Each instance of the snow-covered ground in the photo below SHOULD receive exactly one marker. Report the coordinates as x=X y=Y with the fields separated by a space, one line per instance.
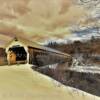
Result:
x=20 y=82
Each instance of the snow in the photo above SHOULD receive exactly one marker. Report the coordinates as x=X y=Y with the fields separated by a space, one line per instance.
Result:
x=20 y=82
x=86 y=69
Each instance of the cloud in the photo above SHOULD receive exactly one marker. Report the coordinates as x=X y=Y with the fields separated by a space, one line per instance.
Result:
x=39 y=19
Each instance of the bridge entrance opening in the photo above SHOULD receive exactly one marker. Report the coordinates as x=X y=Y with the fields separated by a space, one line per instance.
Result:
x=17 y=54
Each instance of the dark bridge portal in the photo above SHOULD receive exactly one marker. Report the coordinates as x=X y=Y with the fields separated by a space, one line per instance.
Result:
x=20 y=53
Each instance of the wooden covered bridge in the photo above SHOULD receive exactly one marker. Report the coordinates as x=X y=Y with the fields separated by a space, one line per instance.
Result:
x=25 y=51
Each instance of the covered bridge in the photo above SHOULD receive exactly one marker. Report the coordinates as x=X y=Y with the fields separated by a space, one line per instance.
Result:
x=25 y=51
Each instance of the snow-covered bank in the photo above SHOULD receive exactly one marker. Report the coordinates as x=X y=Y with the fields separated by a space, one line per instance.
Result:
x=86 y=69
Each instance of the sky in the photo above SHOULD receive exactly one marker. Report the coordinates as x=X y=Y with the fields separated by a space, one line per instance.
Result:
x=41 y=20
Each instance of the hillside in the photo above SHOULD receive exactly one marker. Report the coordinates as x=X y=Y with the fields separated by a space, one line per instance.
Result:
x=87 y=52
x=22 y=83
